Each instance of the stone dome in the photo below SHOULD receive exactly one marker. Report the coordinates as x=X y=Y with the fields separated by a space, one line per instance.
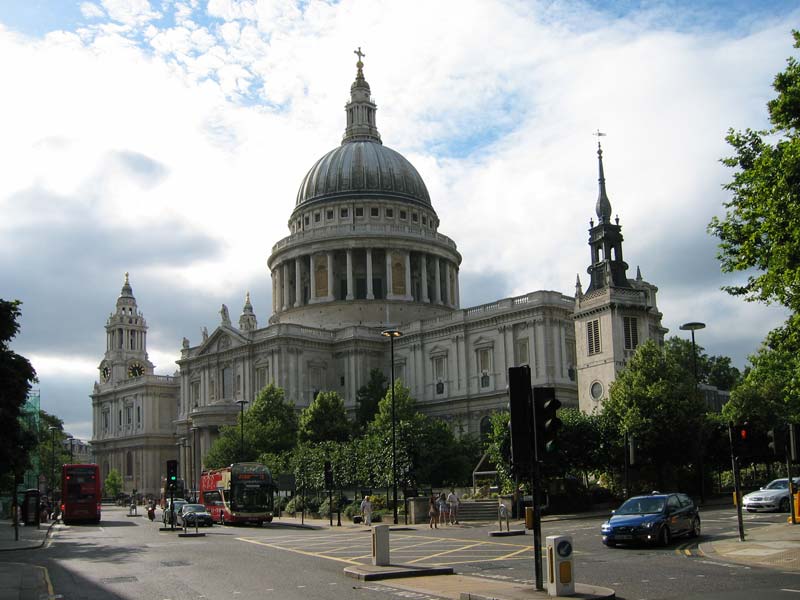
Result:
x=363 y=168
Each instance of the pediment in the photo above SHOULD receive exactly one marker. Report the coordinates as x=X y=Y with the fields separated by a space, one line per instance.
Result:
x=223 y=338
x=438 y=350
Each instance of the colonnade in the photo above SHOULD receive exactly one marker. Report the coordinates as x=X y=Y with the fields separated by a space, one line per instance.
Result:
x=406 y=275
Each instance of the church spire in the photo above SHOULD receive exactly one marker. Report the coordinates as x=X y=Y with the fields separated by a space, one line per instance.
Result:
x=603 y=206
x=361 y=109
x=247 y=320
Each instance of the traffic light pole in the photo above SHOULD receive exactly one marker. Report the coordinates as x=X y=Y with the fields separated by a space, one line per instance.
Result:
x=537 y=525
x=737 y=490
x=791 y=487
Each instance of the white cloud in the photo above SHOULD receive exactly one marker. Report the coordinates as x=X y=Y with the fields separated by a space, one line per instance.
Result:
x=90 y=10
x=130 y=12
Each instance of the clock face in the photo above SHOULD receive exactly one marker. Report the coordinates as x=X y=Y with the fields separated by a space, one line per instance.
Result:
x=106 y=373
x=135 y=370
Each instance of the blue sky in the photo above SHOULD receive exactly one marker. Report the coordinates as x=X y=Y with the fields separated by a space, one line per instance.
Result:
x=168 y=139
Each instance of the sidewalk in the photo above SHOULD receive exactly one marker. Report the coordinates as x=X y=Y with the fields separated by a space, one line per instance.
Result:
x=30 y=537
x=775 y=546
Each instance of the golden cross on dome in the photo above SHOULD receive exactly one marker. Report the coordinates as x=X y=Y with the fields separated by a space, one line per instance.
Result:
x=359 y=54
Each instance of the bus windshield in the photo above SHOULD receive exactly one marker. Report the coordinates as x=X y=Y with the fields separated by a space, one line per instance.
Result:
x=80 y=485
x=251 y=497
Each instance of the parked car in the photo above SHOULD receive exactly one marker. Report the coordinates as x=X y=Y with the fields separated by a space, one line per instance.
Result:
x=167 y=515
x=190 y=514
x=653 y=519
x=773 y=496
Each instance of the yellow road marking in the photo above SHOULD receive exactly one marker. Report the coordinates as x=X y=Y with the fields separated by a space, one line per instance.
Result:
x=317 y=555
x=466 y=547
x=50 y=591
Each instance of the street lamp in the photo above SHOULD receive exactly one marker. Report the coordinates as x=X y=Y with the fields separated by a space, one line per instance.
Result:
x=69 y=439
x=391 y=334
x=241 y=404
x=193 y=430
x=694 y=326
x=53 y=430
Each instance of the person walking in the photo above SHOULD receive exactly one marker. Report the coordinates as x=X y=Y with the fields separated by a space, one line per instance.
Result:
x=433 y=512
x=452 y=501
x=444 y=510
x=366 y=511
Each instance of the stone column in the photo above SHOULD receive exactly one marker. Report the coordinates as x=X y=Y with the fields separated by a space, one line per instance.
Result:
x=438 y=287
x=285 y=277
x=389 y=278
x=409 y=295
x=349 y=275
x=457 y=291
x=447 y=298
x=423 y=259
x=370 y=293
x=331 y=295
x=298 y=287
x=312 y=277
x=278 y=291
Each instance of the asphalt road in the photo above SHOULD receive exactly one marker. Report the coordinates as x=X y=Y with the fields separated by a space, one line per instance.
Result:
x=128 y=557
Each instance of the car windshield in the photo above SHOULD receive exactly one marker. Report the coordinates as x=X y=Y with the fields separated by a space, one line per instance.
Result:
x=778 y=484
x=641 y=506
x=193 y=508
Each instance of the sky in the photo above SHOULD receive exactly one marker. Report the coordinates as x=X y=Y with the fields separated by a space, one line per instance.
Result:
x=168 y=139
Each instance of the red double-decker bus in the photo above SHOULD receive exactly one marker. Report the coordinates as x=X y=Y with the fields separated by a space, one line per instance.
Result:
x=241 y=493
x=80 y=493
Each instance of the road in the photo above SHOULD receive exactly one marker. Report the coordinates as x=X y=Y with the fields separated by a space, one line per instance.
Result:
x=128 y=557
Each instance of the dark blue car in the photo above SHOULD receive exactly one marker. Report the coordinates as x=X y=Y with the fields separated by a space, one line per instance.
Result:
x=653 y=519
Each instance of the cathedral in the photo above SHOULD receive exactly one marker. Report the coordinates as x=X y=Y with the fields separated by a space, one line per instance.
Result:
x=365 y=255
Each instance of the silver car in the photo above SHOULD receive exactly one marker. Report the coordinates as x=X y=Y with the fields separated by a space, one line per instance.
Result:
x=772 y=497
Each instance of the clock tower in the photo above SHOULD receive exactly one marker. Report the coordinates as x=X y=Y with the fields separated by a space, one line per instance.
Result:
x=126 y=341
x=132 y=407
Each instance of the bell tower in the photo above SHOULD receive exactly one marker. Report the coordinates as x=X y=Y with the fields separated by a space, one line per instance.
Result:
x=126 y=341
x=615 y=314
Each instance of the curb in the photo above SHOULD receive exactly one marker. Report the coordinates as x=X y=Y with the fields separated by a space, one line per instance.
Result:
x=367 y=573
x=37 y=546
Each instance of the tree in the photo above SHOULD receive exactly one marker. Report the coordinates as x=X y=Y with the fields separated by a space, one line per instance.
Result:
x=50 y=448
x=113 y=483
x=759 y=233
x=324 y=420
x=270 y=425
x=713 y=370
x=653 y=399
x=368 y=397
x=16 y=377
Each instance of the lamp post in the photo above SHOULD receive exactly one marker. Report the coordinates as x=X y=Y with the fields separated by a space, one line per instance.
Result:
x=69 y=439
x=694 y=326
x=241 y=404
x=192 y=481
x=391 y=334
x=51 y=487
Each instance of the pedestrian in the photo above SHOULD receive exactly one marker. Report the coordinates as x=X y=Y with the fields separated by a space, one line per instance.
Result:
x=433 y=512
x=444 y=509
x=366 y=511
x=452 y=501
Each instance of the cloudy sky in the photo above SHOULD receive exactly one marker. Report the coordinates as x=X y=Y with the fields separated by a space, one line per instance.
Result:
x=168 y=139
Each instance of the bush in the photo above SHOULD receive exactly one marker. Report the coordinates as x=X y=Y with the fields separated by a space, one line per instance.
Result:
x=279 y=505
x=295 y=505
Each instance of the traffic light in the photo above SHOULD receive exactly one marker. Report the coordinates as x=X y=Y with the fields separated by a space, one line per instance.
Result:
x=776 y=441
x=794 y=442
x=546 y=420
x=172 y=474
x=742 y=439
x=328 y=475
x=521 y=423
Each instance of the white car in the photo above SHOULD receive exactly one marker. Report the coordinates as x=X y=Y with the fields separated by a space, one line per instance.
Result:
x=773 y=496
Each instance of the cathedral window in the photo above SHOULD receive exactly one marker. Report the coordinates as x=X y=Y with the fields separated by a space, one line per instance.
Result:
x=238 y=383
x=227 y=382
x=128 y=415
x=343 y=213
x=359 y=211
x=414 y=217
x=138 y=416
x=484 y=359
x=195 y=393
x=105 y=421
x=119 y=338
x=329 y=214
x=403 y=215
x=306 y=220
x=261 y=378
x=424 y=220
x=119 y=419
x=129 y=464
x=631 y=330
x=389 y=213
x=593 y=337
x=316 y=217
x=374 y=211
x=523 y=357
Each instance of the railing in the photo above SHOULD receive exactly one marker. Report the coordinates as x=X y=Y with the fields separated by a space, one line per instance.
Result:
x=362 y=229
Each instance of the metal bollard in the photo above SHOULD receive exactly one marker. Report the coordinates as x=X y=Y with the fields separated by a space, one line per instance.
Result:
x=380 y=545
x=502 y=513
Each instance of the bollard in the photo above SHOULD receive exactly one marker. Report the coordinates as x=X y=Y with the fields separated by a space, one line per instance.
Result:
x=502 y=513
x=560 y=572
x=380 y=545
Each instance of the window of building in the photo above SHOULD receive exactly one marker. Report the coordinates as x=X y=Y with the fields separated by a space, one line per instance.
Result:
x=596 y=390
x=360 y=211
x=329 y=214
x=438 y=368
x=389 y=213
x=630 y=327
x=261 y=378
x=238 y=383
x=424 y=220
x=593 y=336
x=522 y=353
x=105 y=421
x=119 y=338
x=195 y=393
x=129 y=464
x=227 y=382
x=306 y=220
x=316 y=217
x=343 y=213
x=485 y=366
x=403 y=215
x=119 y=419
x=128 y=415
x=374 y=211
x=414 y=217
x=138 y=416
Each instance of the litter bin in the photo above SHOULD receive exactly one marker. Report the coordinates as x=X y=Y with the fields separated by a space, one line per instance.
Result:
x=30 y=507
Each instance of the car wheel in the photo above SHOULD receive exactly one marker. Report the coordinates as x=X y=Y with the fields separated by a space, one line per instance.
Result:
x=664 y=536
x=784 y=506
x=695 y=531
x=751 y=510
x=610 y=544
